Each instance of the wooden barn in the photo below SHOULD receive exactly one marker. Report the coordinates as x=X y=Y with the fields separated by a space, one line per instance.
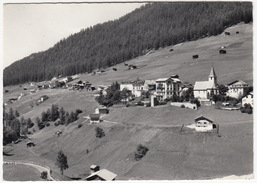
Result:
x=102 y=175
x=94 y=118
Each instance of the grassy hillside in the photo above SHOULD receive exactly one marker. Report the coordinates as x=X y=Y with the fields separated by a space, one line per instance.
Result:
x=152 y=26
x=171 y=155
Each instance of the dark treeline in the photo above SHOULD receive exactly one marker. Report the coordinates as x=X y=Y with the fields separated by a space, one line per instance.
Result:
x=151 y=26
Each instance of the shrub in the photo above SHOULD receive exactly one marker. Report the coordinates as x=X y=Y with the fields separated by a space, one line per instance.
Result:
x=57 y=123
x=44 y=175
x=127 y=105
x=182 y=106
x=47 y=124
x=140 y=152
x=80 y=125
x=99 y=132
x=29 y=133
x=78 y=111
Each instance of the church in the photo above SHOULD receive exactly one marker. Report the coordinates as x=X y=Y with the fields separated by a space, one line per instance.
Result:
x=203 y=90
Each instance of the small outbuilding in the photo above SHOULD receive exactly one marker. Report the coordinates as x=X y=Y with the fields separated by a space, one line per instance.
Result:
x=203 y=124
x=30 y=144
x=94 y=118
x=195 y=56
x=223 y=51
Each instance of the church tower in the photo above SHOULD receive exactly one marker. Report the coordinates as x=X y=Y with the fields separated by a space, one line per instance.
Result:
x=213 y=77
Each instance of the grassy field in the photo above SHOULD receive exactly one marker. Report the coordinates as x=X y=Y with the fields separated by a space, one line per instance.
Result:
x=20 y=173
x=171 y=156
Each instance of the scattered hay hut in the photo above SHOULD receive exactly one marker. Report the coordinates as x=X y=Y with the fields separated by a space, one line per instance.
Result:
x=131 y=67
x=94 y=168
x=195 y=56
x=223 y=51
x=30 y=144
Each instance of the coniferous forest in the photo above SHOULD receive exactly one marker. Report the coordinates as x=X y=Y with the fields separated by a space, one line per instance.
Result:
x=151 y=26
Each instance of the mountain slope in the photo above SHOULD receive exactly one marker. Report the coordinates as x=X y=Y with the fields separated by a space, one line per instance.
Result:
x=149 y=27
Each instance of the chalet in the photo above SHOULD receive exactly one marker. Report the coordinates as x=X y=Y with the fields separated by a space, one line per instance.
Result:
x=12 y=100
x=248 y=99
x=102 y=175
x=203 y=124
x=204 y=89
x=167 y=87
x=131 y=67
x=237 y=89
x=94 y=118
x=101 y=110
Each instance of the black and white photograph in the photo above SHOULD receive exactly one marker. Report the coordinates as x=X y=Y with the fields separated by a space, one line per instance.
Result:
x=127 y=90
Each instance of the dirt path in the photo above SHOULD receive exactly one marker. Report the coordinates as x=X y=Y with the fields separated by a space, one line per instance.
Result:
x=40 y=168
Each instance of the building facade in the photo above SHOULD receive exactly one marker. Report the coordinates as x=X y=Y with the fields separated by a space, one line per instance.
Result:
x=237 y=89
x=167 y=87
x=205 y=89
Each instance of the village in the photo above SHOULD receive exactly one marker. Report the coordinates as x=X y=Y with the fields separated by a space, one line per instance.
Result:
x=181 y=110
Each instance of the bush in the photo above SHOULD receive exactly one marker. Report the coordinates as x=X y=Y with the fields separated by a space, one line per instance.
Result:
x=78 y=111
x=29 y=133
x=44 y=175
x=99 y=132
x=127 y=105
x=57 y=123
x=80 y=125
x=47 y=124
x=141 y=152
x=182 y=106
x=247 y=109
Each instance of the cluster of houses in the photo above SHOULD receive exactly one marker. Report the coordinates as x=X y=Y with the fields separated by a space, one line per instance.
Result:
x=164 y=88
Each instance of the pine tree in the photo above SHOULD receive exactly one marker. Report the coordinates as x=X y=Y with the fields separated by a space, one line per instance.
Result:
x=61 y=162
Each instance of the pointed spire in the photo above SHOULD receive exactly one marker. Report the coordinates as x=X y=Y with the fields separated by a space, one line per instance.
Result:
x=212 y=73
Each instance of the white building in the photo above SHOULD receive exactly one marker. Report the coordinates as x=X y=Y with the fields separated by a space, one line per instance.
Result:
x=203 y=124
x=248 y=99
x=237 y=89
x=167 y=87
x=204 y=89
x=136 y=87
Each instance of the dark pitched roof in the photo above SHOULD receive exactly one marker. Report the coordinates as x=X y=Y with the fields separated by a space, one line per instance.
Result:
x=203 y=118
x=94 y=116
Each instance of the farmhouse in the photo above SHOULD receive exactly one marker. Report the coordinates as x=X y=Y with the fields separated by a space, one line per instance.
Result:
x=237 y=89
x=103 y=175
x=94 y=118
x=203 y=124
x=204 y=89
x=101 y=110
x=248 y=99
x=167 y=87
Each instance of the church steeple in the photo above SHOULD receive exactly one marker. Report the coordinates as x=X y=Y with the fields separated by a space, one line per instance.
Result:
x=212 y=76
